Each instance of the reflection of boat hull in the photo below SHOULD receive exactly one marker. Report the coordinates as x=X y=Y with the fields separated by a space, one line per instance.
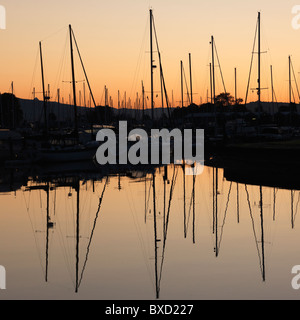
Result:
x=284 y=175
x=68 y=154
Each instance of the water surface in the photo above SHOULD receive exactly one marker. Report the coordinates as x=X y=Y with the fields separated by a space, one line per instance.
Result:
x=155 y=234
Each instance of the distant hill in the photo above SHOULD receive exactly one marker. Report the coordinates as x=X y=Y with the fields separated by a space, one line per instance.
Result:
x=33 y=110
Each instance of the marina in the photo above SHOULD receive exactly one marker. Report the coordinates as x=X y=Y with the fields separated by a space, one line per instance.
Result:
x=150 y=197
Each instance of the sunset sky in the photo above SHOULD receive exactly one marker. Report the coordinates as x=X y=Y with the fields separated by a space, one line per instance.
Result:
x=113 y=37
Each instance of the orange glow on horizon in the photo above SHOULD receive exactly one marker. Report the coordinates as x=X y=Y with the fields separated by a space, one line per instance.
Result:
x=114 y=45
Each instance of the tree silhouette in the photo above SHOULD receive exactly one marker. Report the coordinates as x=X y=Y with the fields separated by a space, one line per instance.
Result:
x=11 y=114
x=225 y=99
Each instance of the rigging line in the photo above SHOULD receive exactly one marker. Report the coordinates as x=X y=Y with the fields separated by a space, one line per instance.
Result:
x=251 y=63
x=292 y=208
x=65 y=251
x=190 y=208
x=274 y=202
x=144 y=246
x=84 y=71
x=222 y=228
x=220 y=67
x=167 y=222
x=53 y=34
x=293 y=94
x=54 y=203
x=103 y=92
x=92 y=233
x=162 y=75
x=41 y=204
x=33 y=231
x=148 y=200
x=187 y=89
x=295 y=80
x=34 y=72
x=253 y=227
x=273 y=90
x=61 y=63
x=175 y=173
x=139 y=61
x=296 y=210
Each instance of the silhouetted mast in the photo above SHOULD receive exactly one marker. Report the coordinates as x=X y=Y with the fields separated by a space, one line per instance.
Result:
x=194 y=209
x=216 y=192
x=74 y=85
x=235 y=85
x=43 y=87
x=272 y=88
x=152 y=66
x=181 y=72
x=47 y=234
x=290 y=81
x=213 y=70
x=211 y=88
x=143 y=94
x=215 y=208
x=292 y=210
x=13 y=121
x=191 y=81
x=77 y=235
x=184 y=201
x=259 y=64
x=155 y=238
x=262 y=235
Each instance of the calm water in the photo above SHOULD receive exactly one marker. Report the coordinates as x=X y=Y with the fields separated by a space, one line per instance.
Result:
x=110 y=238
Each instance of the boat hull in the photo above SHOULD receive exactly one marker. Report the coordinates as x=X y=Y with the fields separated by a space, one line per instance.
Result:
x=68 y=155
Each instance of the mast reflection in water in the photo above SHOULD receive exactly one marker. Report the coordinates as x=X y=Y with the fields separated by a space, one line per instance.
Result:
x=147 y=233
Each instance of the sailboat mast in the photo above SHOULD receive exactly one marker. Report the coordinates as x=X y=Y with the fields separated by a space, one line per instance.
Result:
x=77 y=235
x=13 y=122
x=58 y=106
x=272 y=84
x=143 y=94
x=259 y=61
x=272 y=87
x=290 y=81
x=47 y=234
x=191 y=81
x=213 y=83
x=211 y=90
x=181 y=71
x=184 y=201
x=155 y=237
x=213 y=70
x=235 y=85
x=216 y=208
x=74 y=83
x=262 y=234
x=43 y=86
x=152 y=67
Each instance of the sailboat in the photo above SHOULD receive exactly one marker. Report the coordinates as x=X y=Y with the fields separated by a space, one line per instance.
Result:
x=58 y=150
